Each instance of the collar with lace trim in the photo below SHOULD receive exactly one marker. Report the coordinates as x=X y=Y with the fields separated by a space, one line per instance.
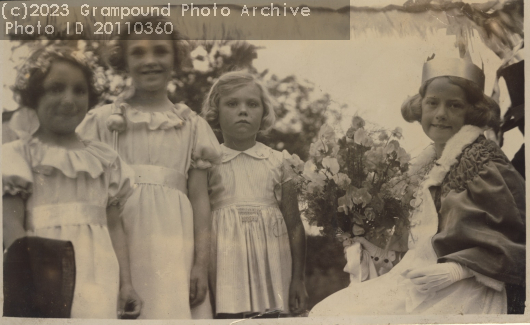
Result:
x=258 y=151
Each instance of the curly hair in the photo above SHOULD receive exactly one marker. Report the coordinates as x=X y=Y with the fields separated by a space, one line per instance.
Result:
x=484 y=111
x=116 y=56
x=228 y=83
x=28 y=87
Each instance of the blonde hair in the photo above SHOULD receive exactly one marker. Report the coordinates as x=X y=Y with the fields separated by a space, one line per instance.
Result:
x=228 y=83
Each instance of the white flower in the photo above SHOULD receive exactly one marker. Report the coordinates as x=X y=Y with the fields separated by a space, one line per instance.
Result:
x=171 y=87
x=198 y=52
x=81 y=45
x=201 y=65
x=115 y=82
x=225 y=50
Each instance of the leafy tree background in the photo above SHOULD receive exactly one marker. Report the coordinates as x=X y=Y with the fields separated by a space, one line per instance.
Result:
x=300 y=114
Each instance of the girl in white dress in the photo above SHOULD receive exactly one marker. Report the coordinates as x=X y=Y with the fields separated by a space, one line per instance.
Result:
x=58 y=186
x=258 y=240
x=467 y=235
x=170 y=148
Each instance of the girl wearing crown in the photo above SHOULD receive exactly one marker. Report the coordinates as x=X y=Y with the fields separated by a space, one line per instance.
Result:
x=467 y=235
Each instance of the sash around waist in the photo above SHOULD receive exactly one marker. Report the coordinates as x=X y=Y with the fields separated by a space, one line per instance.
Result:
x=157 y=175
x=69 y=214
x=255 y=201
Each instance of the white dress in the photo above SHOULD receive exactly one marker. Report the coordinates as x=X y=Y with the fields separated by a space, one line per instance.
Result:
x=67 y=192
x=161 y=147
x=250 y=257
x=392 y=293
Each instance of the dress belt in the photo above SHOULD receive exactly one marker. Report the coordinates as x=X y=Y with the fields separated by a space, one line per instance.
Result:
x=68 y=214
x=245 y=202
x=156 y=175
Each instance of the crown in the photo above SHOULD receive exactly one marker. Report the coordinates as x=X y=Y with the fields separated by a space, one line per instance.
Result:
x=462 y=68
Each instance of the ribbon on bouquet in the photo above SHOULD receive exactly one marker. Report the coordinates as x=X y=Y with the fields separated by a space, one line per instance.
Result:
x=359 y=264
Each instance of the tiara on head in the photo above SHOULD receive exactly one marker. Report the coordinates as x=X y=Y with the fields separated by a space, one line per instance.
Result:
x=462 y=68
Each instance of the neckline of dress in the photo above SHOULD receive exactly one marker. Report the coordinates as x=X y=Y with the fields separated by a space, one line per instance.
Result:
x=36 y=140
x=143 y=109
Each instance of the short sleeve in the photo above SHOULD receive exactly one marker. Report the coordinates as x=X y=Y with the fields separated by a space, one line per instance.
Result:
x=17 y=178
x=93 y=127
x=286 y=171
x=289 y=163
x=206 y=150
x=121 y=184
x=482 y=224
x=8 y=135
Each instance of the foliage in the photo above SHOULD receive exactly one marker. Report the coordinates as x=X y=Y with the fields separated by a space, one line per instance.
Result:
x=357 y=184
x=324 y=268
x=299 y=116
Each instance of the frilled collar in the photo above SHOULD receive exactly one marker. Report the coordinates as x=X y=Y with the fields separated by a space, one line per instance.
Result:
x=258 y=151
x=173 y=118
x=92 y=159
x=453 y=149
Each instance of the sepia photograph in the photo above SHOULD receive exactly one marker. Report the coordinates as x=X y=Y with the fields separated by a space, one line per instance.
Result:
x=314 y=162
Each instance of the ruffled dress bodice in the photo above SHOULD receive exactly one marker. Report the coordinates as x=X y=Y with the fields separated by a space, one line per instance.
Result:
x=52 y=175
x=66 y=193
x=176 y=139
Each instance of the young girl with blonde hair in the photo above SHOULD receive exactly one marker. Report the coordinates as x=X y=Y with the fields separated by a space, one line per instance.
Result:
x=258 y=240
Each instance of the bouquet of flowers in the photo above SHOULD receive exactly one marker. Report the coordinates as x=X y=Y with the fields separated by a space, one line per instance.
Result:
x=357 y=184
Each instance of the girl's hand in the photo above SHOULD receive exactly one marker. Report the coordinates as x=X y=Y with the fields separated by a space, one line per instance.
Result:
x=436 y=277
x=297 y=297
x=129 y=303
x=198 y=284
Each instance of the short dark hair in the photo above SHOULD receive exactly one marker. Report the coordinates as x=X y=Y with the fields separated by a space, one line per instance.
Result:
x=116 y=56
x=484 y=111
x=29 y=84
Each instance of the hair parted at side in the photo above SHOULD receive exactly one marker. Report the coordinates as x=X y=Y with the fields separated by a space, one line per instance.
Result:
x=484 y=110
x=28 y=86
x=228 y=83
x=116 y=53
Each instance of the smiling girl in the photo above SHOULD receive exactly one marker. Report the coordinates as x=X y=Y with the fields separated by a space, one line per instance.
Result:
x=258 y=240
x=467 y=236
x=59 y=186
x=170 y=148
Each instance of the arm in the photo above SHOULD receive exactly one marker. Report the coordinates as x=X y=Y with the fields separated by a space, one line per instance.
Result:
x=129 y=304
x=13 y=219
x=482 y=223
x=198 y=195
x=297 y=242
